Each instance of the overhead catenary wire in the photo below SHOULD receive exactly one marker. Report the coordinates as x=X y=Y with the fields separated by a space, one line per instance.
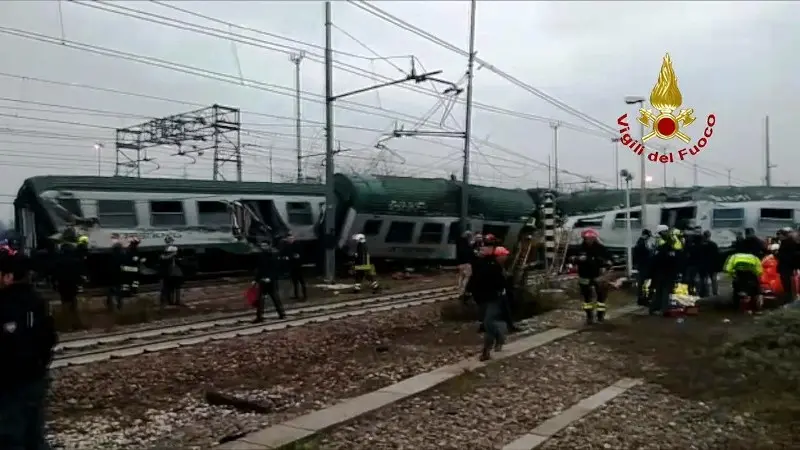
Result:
x=378 y=12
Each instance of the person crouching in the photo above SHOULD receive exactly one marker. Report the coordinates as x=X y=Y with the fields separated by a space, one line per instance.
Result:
x=489 y=289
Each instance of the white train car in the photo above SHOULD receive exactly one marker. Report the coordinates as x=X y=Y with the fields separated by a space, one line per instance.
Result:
x=211 y=219
x=766 y=210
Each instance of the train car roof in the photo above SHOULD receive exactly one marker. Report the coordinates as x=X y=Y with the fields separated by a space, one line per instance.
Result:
x=375 y=194
x=40 y=184
x=599 y=200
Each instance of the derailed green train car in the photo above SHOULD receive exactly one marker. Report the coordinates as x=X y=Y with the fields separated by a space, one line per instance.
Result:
x=407 y=218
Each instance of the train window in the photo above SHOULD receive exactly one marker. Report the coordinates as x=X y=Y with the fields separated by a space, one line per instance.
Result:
x=454 y=232
x=636 y=219
x=727 y=218
x=499 y=231
x=777 y=216
x=166 y=214
x=372 y=227
x=589 y=222
x=300 y=213
x=212 y=213
x=73 y=205
x=400 y=233
x=431 y=233
x=117 y=213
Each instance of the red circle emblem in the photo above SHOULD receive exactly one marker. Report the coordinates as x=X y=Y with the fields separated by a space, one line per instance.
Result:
x=666 y=126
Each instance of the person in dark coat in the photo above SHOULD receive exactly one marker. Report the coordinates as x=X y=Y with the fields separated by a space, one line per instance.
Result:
x=489 y=287
x=708 y=265
x=593 y=258
x=692 y=261
x=267 y=281
x=642 y=258
x=291 y=254
x=27 y=339
x=133 y=263
x=68 y=276
x=117 y=277
x=788 y=262
x=171 y=277
x=751 y=244
x=664 y=269
x=362 y=265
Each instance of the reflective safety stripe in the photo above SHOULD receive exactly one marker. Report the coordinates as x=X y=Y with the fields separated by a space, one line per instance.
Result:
x=589 y=306
x=600 y=306
x=584 y=280
x=129 y=269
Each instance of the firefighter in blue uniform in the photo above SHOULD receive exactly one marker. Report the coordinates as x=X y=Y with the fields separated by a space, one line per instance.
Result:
x=27 y=339
x=118 y=275
x=593 y=259
x=133 y=263
x=267 y=281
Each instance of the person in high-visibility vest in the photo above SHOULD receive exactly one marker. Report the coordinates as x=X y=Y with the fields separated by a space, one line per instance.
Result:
x=746 y=270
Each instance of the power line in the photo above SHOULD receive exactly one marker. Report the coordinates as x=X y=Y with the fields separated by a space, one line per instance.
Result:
x=377 y=12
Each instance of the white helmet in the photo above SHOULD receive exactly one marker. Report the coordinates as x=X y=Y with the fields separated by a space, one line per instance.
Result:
x=662 y=229
x=359 y=237
x=172 y=249
x=774 y=247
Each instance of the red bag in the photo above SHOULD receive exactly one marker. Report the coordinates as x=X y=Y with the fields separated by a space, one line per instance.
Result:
x=251 y=295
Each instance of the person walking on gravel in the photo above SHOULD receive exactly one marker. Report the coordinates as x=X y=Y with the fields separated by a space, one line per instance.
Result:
x=267 y=281
x=27 y=339
x=489 y=286
x=291 y=254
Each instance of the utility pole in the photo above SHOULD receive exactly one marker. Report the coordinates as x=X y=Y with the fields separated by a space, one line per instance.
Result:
x=555 y=126
x=768 y=176
x=330 y=194
x=329 y=240
x=296 y=59
x=549 y=173
x=695 y=175
x=464 y=210
x=729 y=177
x=615 y=141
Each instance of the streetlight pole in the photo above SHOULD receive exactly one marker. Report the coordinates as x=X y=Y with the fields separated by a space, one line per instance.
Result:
x=98 y=147
x=296 y=58
x=628 y=177
x=615 y=141
x=329 y=239
x=555 y=126
x=630 y=100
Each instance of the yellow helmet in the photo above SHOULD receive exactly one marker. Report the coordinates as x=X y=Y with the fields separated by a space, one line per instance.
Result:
x=83 y=239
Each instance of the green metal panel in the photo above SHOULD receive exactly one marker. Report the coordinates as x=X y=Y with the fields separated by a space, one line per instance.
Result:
x=166 y=185
x=429 y=197
x=605 y=199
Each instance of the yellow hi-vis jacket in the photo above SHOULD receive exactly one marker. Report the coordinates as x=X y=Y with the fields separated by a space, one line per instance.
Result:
x=677 y=245
x=743 y=262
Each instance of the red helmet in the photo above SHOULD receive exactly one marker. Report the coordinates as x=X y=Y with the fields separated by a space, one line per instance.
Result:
x=589 y=234
x=490 y=238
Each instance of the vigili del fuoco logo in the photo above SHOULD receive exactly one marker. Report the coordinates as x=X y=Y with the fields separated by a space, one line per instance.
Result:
x=664 y=123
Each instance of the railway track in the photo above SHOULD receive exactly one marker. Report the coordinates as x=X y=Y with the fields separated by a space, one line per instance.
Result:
x=81 y=351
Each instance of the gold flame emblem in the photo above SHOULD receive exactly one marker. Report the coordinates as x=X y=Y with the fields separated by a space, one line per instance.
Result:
x=666 y=98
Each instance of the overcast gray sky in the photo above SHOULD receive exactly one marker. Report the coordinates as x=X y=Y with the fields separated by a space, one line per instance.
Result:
x=735 y=59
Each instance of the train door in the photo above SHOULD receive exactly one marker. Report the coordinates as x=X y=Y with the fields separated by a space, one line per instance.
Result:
x=680 y=217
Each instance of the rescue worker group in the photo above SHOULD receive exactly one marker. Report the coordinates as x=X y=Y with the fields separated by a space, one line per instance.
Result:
x=669 y=265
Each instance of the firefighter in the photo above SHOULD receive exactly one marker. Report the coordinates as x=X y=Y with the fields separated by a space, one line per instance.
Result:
x=82 y=252
x=291 y=254
x=593 y=258
x=171 y=277
x=27 y=339
x=664 y=269
x=133 y=266
x=68 y=276
x=746 y=270
x=267 y=281
x=363 y=268
x=118 y=275
x=488 y=290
